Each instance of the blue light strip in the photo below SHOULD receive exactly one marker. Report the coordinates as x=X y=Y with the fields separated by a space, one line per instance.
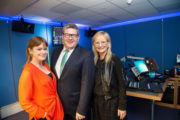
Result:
x=4 y=18
x=101 y=27
x=140 y=20
x=40 y=22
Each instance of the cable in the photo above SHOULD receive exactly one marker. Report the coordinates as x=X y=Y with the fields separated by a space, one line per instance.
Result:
x=12 y=70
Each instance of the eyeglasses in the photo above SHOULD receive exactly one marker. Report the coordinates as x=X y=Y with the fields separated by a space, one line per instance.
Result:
x=67 y=35
x=100 y=43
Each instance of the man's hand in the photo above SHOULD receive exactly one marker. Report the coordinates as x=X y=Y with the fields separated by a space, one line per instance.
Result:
x=121 y=113
x=79 y=116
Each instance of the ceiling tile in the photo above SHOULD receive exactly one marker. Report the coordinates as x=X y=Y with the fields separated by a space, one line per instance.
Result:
x=63 y=18
x=39 y=12
x=66 y=8
x=91 y=12
x=170 y=11
x=160 y=3
x=142 y=8
x=100 y=18
x=84 y=13
x=124 y=4
x=120 y=14
x=101 y=8
x=85 y=3
x=7 y=7
x=47 y=4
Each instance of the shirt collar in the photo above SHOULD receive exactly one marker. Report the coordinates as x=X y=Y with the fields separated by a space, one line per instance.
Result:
x=64 y=49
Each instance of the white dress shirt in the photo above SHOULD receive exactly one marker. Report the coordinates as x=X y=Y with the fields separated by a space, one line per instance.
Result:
x=58 y=63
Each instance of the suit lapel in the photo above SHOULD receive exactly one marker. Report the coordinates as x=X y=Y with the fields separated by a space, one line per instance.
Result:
x=71 y=58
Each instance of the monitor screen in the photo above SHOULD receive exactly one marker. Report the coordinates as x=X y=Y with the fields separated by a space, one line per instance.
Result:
x=178 y=59
x=57 y=35
x=141 y=65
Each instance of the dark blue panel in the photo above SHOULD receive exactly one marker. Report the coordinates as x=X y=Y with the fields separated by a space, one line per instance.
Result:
x=141 y=39
x=145 y=40
x=85 y=41
x=171 y=41
x=18 y=45
x=118 y=41
x=7 y=92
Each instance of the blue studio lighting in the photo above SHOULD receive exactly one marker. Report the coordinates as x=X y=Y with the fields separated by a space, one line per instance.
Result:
x=4 y=18
x=140 y=20
x=48 y=22
x=39 y=21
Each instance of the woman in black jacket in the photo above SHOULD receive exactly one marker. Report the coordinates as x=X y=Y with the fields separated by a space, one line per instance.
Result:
x=109 y=99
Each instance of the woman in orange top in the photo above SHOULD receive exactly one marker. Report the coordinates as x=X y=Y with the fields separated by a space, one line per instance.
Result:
x=37 y=84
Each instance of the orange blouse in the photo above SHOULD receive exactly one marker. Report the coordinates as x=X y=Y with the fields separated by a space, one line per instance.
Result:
x=38 y=94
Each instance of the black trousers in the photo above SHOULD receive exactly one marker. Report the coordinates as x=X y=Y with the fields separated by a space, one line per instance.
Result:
x=105 y=109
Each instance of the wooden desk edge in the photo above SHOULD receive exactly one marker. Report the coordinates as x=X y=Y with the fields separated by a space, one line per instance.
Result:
x=143 y=95
x=167 y=105
x=174 y=78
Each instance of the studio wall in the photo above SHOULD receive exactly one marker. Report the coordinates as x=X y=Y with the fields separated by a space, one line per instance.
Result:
x=7 y=91
x=171 y=41
x=158 y=39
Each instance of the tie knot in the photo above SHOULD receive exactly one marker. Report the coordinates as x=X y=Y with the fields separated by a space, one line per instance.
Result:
x=66 y=51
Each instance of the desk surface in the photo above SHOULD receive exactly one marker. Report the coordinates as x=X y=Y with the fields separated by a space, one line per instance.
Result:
x=147 y=94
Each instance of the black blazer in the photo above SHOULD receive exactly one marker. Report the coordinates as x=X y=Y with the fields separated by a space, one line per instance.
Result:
x=77 y=80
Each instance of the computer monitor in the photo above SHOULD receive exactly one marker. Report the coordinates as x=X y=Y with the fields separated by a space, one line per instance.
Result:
x=151 y=64
x=178 y=58
x=57 y=35
x=141 y=65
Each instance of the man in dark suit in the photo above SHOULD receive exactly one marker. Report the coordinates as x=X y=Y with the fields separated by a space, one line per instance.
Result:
x=76 y=79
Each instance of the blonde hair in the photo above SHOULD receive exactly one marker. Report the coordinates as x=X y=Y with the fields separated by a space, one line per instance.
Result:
x=109 y=52
x=33 y=42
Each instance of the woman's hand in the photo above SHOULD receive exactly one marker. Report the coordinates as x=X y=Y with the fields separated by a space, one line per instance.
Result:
x=121 y=113
x=79 y=116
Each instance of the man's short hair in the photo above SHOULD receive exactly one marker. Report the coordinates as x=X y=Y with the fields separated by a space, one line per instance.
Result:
x=70 y=25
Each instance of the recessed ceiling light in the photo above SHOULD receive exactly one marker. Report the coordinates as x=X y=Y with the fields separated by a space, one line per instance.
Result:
x=129 y=2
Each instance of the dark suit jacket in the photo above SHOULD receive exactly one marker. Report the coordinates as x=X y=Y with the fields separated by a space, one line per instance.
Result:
x=77 y=80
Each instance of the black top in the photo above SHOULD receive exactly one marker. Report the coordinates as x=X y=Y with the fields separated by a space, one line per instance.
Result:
x=50 y=75
x=98 y=88
x=117 y=84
